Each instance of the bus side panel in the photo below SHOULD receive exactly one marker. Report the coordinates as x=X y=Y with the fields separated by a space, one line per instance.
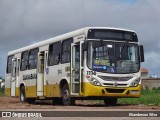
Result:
x=55 y=75
x=17 y=91
x=49 y=89
x=8 y=85
x=31 y=91
x=52 y=90
x=56 y=90
x=30 y=82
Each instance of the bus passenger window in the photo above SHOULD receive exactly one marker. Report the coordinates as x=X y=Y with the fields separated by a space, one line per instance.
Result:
x=54 y=54
x=33 y=59
x=9 y=64
x=66 y=50
x=24 y=60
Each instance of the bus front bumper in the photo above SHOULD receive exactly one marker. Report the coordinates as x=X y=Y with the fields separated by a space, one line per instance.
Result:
x=91 y=90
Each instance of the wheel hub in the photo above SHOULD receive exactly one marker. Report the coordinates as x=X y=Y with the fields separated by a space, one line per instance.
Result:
x=66 y=95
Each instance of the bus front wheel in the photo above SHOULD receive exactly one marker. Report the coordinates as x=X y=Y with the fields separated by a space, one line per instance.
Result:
x=66 y=96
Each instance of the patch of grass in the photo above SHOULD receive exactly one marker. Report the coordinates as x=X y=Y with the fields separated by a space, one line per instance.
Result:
x=148 y=97
x=2 y=91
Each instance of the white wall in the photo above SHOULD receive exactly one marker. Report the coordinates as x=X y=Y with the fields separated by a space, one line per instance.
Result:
x=1 y=83
x=144 y=75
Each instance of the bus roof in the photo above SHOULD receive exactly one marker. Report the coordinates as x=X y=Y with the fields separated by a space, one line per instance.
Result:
x=61 y=37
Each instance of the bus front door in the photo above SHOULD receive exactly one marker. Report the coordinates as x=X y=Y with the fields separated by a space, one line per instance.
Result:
x=76 y=69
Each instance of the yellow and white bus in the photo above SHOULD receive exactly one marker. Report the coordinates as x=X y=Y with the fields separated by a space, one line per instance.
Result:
x=89 y=63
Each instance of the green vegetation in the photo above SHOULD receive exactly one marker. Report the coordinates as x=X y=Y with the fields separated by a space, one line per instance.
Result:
x=148 y=97
x=2 y=91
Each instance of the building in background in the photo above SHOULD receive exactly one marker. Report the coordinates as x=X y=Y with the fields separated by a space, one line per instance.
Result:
x=1 y=83
x=144 y=73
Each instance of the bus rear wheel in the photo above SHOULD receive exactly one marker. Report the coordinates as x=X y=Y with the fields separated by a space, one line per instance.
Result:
x=110 y=101
x=66 y=100
x=22 y=96
x=57 y=101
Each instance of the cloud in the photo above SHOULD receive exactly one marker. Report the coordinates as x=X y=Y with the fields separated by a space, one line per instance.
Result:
x=24 y=22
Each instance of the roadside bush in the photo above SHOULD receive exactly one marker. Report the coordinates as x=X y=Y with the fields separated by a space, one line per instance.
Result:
x=2 y=90
x=146 y=90
x=148 y=97
x=156 y=90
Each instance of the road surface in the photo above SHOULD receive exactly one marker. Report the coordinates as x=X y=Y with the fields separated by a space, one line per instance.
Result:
x=82 y=110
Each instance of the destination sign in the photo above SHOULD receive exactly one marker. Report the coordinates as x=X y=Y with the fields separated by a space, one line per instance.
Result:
x=108 y=34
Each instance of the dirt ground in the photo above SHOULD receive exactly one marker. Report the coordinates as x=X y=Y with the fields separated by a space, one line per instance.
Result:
x=13 y=103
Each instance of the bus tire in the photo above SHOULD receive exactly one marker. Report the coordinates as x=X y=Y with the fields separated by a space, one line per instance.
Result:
x=66 y=100
x=57 y=101
x=110 y=101
x=30 y=100
x=22 y=96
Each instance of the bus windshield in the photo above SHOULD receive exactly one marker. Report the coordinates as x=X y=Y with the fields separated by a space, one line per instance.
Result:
x=113 y=57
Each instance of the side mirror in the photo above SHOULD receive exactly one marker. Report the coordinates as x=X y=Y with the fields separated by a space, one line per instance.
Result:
x=141 y=53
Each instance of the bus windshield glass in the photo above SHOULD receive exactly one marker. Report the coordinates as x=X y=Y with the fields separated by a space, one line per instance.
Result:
x=113 y=57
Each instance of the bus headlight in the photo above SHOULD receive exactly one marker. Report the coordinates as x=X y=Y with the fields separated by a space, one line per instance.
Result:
x=94 y=81
x=135 y=83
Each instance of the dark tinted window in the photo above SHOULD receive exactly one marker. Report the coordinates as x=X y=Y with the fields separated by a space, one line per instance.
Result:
x=24 y=60
x=33 y=59
x=66 y=50
x=54 y=53
x=9 y=64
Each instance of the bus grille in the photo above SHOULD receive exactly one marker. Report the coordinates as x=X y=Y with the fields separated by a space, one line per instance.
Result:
x=118 y=85
x=115 y=90
x=106 y=78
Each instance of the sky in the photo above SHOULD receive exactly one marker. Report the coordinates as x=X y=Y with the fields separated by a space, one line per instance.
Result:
x=25 y=22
